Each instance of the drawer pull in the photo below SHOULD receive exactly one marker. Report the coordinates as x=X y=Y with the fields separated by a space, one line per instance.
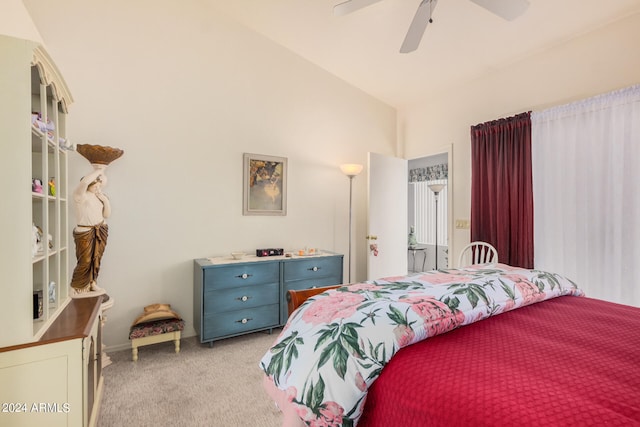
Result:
x=314 y=268
x=245 y=320
x=244 y=276
x=243 y=298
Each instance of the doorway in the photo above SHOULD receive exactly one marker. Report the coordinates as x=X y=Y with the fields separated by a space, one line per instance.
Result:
x=428 y=213
x=387 y=217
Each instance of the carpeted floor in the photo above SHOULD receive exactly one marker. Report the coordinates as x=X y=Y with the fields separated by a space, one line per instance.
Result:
x=200 y=386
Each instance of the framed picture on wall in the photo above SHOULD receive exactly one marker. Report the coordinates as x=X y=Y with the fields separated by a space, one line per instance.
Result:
x=264 y=185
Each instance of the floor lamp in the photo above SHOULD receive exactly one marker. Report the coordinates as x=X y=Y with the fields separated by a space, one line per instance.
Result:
x=436 y=188
x=350 y=170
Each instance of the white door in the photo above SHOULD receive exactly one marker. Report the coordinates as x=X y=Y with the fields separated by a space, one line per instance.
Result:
x=387 y=222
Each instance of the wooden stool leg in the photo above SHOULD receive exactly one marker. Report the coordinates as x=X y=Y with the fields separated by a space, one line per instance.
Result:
x=177 y=343
x=134 y=351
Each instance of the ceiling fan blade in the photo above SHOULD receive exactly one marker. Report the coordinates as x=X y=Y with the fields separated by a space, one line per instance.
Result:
x=351 y=6
x=418 y=25
x=506 y=9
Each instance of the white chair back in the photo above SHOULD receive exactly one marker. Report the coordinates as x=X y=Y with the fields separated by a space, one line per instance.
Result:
x=477 y=253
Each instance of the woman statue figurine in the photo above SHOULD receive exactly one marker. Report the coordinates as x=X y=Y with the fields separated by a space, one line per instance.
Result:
x=92 y=208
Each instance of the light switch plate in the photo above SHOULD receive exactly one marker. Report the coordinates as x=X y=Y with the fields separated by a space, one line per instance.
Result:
x=463 y=223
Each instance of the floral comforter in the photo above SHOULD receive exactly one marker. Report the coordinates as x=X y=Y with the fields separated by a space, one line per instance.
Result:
x=337 y=343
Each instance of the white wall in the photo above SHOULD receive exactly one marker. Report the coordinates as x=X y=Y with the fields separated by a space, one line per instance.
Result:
x=594 y=63
x=185 y=92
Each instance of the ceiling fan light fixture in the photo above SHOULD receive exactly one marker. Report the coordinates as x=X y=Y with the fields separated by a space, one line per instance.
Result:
x=506 y=9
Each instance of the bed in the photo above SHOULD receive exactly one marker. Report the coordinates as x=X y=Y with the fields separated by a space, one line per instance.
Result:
x=489 y=345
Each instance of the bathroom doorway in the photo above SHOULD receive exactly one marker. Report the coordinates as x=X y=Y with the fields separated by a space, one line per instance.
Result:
x=428 y=214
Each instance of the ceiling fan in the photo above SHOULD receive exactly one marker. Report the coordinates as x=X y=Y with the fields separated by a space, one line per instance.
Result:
x=507 y=9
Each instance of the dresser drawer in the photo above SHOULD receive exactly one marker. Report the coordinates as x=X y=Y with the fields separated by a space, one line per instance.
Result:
x=313 y=268
x=239 y=321
x=303 y=284
x=228 y=299
x=311 y=283
x=241 y=275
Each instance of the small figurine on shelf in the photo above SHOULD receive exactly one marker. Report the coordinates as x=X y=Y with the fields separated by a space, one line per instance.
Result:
x=52 y=186
x=42 y=125
x=36 y=186
x=36 y=240
x=36 y=122
x=52 y=292
x=64 y=143
x=51 y=136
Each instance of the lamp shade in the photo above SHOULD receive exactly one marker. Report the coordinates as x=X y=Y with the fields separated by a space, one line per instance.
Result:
x=351 y=169
x=436 y=188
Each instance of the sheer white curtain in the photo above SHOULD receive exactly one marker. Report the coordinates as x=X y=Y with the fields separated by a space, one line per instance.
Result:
x=586 y=189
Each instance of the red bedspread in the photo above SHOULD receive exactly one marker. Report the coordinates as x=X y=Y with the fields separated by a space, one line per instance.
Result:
x=562 y=362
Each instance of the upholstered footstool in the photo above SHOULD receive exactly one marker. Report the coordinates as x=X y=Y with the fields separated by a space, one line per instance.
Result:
x=154 y=332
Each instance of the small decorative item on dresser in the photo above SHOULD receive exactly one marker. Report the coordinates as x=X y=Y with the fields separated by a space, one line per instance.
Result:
x=269 y=252
x=238 y=255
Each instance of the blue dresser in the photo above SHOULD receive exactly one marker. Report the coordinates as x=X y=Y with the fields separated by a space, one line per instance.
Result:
x=234 y=297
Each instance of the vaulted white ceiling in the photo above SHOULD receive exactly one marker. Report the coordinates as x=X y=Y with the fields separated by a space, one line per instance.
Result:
x=464 y=41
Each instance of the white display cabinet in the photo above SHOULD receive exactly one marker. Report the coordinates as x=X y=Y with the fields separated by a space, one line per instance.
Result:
x=50 y=353
x=31 y=83
x=49 y=196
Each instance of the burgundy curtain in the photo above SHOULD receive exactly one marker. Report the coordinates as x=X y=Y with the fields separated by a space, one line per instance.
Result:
x=502 y=188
